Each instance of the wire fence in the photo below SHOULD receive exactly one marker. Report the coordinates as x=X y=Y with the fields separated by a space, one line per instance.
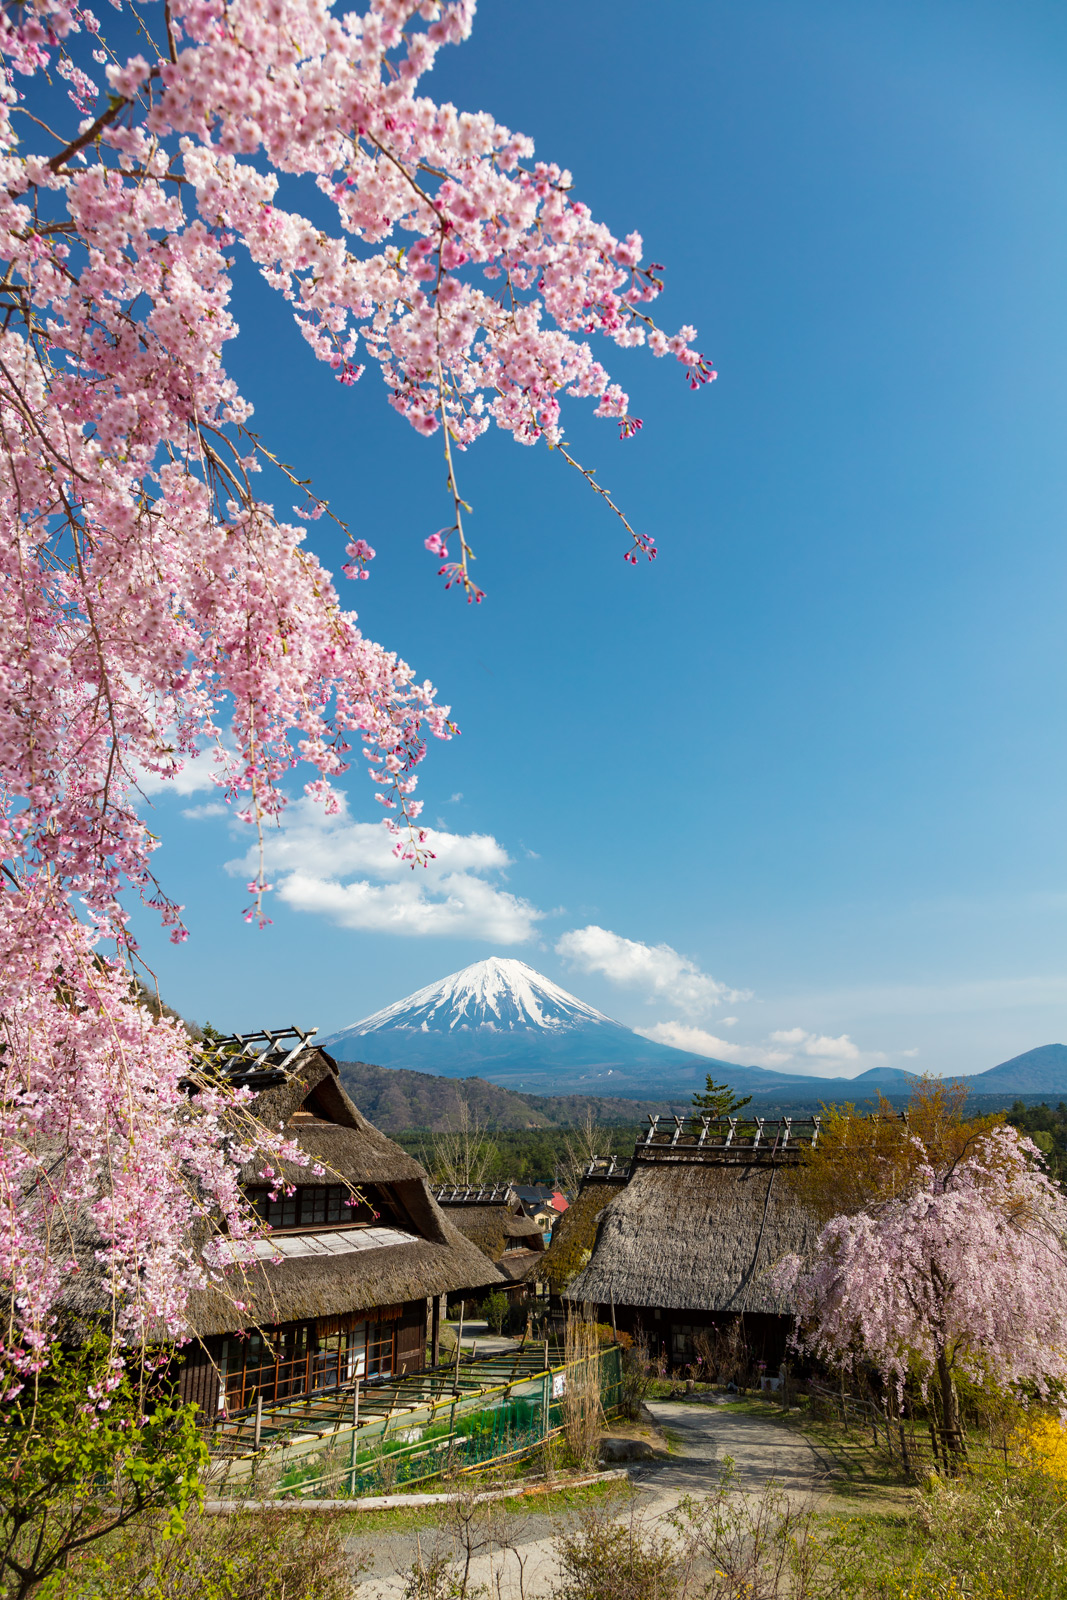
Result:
x=425 y=1439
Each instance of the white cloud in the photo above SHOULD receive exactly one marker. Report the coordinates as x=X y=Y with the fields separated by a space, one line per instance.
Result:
x=698 y=1042
x=196 y=774
x=346 y=871
x=212 y=808
x=817 y=1044
x=728 y=1022
x=790 y=1049
x=656 y=969
x=909 y=1052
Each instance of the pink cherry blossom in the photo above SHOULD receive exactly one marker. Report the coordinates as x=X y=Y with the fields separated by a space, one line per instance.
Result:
x=965 y=1273
x=155 y=608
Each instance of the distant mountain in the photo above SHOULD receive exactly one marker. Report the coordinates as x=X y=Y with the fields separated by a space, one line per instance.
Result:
x=501 y=1018
x=1043 y=1070
x=500 y=1021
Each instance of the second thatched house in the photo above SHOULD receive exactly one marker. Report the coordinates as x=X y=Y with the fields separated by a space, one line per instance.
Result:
x=684 y=1251
x=494 y=1218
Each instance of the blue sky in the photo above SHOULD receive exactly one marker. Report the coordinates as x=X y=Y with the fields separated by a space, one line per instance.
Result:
x=817 y=750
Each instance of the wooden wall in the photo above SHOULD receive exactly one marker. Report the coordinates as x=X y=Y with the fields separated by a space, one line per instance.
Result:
x=411 y=1337
x=198 y=1377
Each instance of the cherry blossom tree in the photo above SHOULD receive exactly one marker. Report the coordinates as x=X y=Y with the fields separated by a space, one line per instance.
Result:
x=964 y=1272
x=156 y=605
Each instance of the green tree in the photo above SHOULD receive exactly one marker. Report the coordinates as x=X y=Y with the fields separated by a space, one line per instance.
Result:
x=84 y=1447
x=718 y=1100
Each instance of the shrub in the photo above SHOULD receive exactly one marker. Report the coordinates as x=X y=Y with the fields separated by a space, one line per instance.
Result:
x=495 y=1311
x=996 y=1536
x=242 y=1556
x=84 y=1447
x=638 y=1376
x=603 y=1559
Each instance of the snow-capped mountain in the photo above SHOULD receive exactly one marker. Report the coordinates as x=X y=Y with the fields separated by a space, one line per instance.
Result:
x=502 y=1018
x=497 y=993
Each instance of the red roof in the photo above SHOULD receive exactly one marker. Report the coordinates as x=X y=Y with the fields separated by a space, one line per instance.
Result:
x=559 y=1202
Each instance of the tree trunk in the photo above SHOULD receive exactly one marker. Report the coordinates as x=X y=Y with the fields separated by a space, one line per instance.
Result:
x=950 y=1410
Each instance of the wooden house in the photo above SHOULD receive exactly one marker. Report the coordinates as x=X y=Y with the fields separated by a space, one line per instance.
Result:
x=684 y=1249
x=494 y=1218
x=338 y=1290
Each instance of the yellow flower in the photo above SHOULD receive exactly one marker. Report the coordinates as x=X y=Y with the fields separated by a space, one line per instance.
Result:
x=1043 y=1442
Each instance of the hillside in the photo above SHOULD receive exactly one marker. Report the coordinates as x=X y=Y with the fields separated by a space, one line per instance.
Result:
x=1043 y=1070
x=395 y=1099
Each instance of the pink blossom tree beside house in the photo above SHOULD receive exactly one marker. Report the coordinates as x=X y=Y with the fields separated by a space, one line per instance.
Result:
x=963 y=1273
x=155 y=604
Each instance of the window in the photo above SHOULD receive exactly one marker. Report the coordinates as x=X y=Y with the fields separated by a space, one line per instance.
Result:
x=313 y=1206
x=296 y=1361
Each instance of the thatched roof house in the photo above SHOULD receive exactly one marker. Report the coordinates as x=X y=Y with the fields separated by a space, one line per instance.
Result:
x=687 y=1246
x=494 y=1218
x=338 y=1290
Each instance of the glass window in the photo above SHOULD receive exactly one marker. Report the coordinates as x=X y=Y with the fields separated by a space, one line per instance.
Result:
x=310 y=1206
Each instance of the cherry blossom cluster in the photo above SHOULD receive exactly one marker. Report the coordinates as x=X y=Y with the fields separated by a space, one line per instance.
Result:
x=154 y=605
x=967 y=1269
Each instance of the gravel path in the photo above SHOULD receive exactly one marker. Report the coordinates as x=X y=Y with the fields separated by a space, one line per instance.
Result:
x=702 y=1437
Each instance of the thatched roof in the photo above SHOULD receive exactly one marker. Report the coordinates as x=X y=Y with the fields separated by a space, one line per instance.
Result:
x=694 y=1236
x=574 y=1234
x=491 y=1228
x=419 y=1254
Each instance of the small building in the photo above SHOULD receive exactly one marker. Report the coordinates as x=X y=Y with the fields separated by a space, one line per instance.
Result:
x=493 y=1218
x=684 y=1248
x=338 y=1290
x=543 y=1203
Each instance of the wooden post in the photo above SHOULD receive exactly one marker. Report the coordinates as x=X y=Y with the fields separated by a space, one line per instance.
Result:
x=355 y=1436
x=904 y=1449
x=259 y=1418
x=614 y=1329
x=459 y=1344
x=435 y=1331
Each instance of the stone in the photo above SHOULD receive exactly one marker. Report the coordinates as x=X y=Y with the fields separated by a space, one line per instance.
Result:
x=626 y=1450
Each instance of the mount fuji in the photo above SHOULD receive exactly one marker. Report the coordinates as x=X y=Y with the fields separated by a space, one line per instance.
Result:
x=502 y=1019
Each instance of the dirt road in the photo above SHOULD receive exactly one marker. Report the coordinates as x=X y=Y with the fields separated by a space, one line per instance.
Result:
x=701 y=1438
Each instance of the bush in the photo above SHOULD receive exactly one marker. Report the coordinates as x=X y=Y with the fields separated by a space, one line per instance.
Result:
x=241 y=1556
x=495 y=1311
x=603 y=1559
x=638 y=1376
x=85 y=1446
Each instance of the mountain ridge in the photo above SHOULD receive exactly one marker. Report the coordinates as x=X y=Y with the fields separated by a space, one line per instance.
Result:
x=501 y=1021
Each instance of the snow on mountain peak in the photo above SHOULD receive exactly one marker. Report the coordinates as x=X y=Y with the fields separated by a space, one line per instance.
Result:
x=499 y=993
